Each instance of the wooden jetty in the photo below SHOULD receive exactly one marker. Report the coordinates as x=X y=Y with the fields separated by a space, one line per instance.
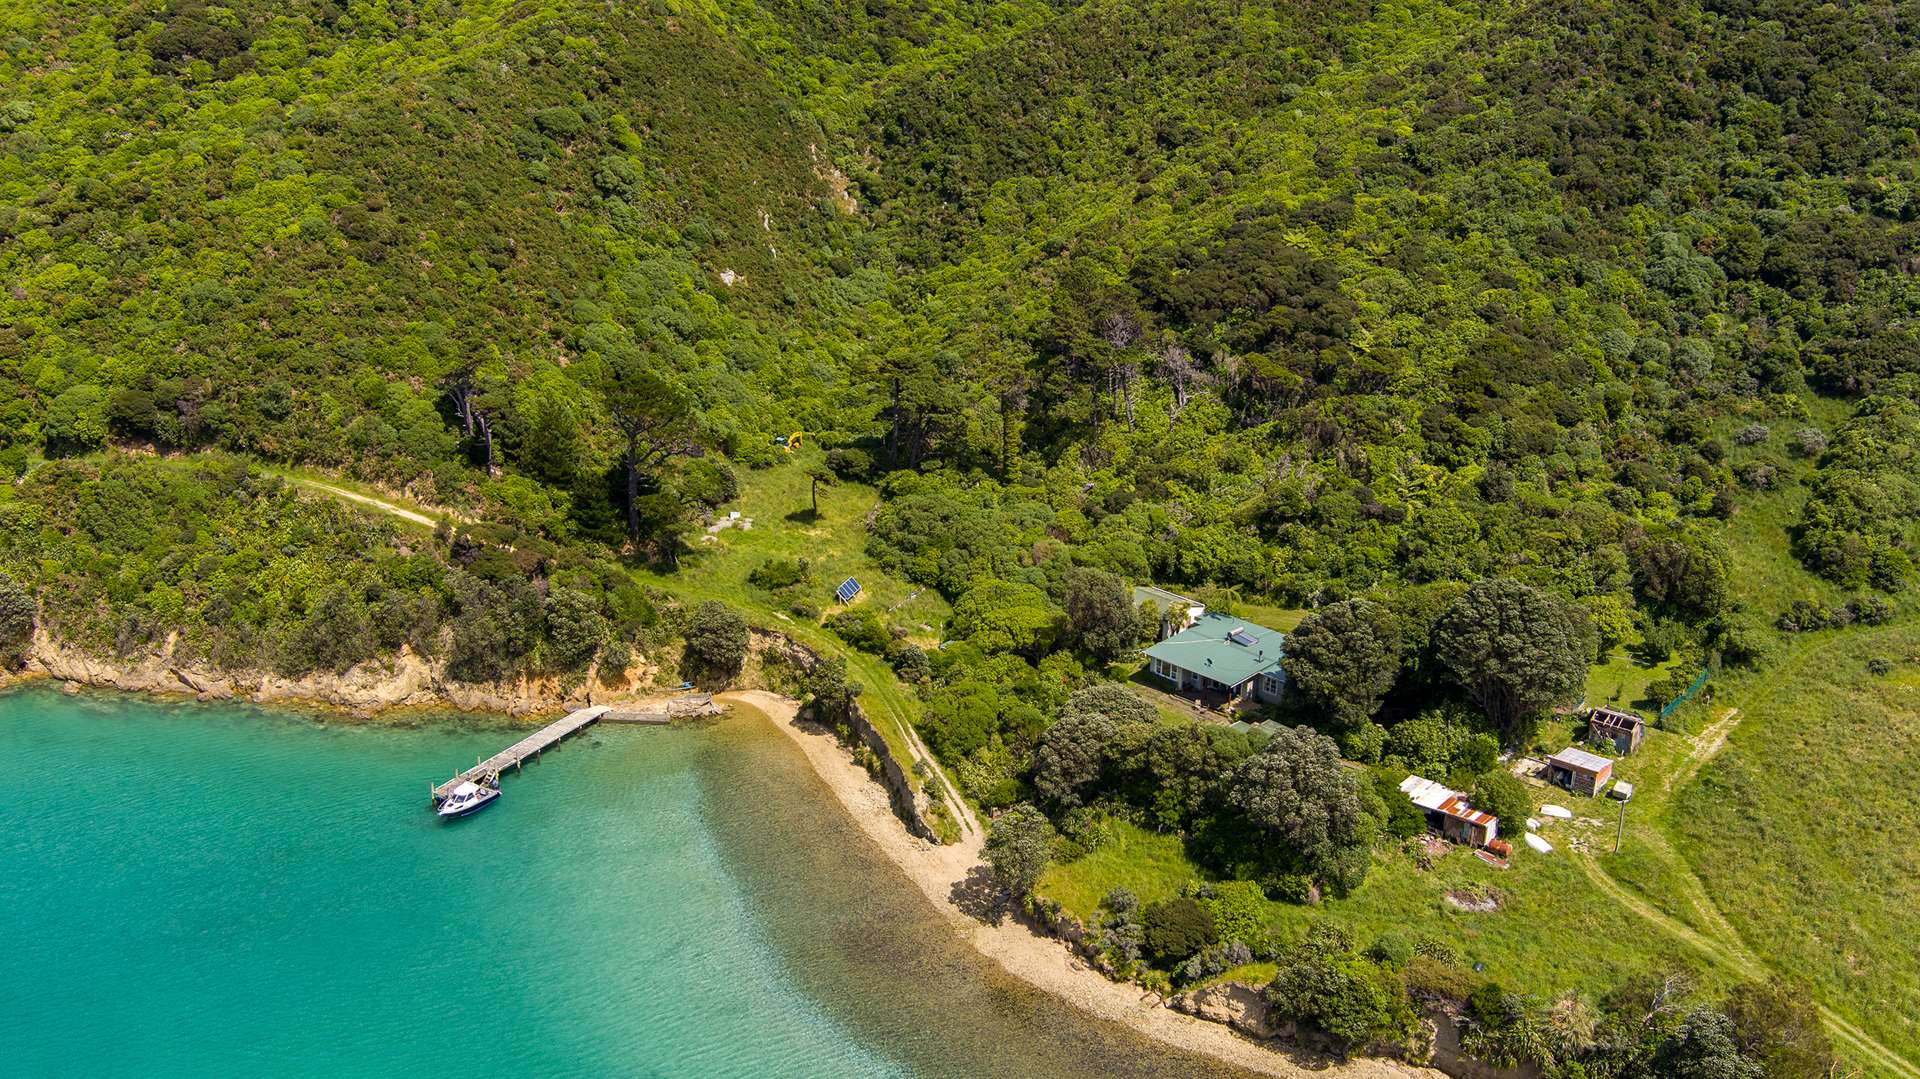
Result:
x=525 y=749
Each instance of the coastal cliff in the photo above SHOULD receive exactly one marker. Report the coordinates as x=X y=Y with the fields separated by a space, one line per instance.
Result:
x=401 y=681
x=909 y=803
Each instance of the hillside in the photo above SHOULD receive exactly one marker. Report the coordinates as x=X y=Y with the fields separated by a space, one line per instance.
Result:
x=1519 y=355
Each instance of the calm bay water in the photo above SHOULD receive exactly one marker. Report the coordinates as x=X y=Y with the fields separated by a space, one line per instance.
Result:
x=219 y=890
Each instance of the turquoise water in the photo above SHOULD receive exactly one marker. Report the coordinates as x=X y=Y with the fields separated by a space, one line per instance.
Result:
x=219 y=890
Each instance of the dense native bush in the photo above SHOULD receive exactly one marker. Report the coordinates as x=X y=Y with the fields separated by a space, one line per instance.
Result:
x=1080 y=306
x=238 y=569
x=1858 y=527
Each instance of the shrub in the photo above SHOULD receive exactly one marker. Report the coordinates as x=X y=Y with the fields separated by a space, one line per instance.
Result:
x=777 y=573
x=1804 y=616
x=1439 y=949
x=1391 y=949
x=1870 y=610
x=1430 y=978
x=1288 y=887
x=716 y=641
x=1751 y=435
x=560 y=122
x=1758 y=475
x=1500 y=794
x=1322 y=985
x=861 y=628
x=989 y=776
x=1666 y=690
x=1880 y=665
x=1404 y=819
x=1363 y=743
x=1809 y=442
x=1659 y=641
x=1090 y=826
x=909 y=661
x=1238 y=911
x=1744 y=644
x=1176 y=928
x=1478 y=754
x=1215 y=959
x=1122 y=937
x=850 y=463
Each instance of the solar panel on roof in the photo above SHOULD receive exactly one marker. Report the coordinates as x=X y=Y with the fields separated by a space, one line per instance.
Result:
x=1241 y=637
x=848 y=589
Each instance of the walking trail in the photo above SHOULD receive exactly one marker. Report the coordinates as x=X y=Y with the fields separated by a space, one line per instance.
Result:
x=369 y=501
x=1733 y=954
x=1725 y=946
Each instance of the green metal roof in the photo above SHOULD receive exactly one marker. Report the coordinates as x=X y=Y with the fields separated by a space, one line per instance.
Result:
x=1226 y=649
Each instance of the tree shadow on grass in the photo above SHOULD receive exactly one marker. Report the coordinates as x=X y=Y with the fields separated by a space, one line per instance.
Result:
x=803 y=516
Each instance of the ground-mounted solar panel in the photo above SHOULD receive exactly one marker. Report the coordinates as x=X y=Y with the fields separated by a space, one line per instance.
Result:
x=848 y=589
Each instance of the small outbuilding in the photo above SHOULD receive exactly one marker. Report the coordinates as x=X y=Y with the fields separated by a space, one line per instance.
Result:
x=1450 y=814
x=1623 y=729
x=1579 y=771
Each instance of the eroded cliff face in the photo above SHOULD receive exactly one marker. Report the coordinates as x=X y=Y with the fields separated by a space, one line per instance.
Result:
x=403 y=680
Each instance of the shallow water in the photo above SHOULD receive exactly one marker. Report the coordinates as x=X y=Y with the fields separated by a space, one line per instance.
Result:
x=217 y=890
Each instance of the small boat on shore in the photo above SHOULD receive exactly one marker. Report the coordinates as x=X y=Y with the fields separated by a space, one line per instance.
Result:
x=469 y=798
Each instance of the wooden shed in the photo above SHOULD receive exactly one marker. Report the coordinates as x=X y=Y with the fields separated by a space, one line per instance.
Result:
x=1449 y=813
x=1579 y=771
x=1623 y=729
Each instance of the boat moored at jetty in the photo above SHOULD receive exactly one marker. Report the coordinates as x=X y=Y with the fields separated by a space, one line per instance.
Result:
x=469 y=797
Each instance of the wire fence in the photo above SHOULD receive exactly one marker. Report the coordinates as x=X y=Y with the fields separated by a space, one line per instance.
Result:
x=1667 y=708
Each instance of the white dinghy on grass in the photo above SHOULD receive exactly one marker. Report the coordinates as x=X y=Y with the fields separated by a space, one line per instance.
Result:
x=1539 y=844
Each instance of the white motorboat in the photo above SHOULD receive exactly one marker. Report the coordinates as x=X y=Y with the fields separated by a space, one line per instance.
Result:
x=468 y=797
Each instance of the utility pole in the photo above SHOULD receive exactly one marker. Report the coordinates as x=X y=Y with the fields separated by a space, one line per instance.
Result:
x=1622 y=833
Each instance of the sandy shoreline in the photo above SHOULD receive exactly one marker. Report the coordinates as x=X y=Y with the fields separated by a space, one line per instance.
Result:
x=1039 y=961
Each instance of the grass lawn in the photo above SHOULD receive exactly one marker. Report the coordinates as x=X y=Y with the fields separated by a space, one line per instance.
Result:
x=1151 y=866
x=778 y=500
x=1550 y=933
x=1808 y=830
x=1622 y=681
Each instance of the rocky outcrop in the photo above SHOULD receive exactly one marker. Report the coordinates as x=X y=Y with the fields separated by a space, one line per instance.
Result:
x=1450 y=1058
x=1240 y=1006
x=403 y=680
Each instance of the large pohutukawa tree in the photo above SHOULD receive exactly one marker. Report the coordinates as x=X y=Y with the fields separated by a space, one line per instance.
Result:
x=1517 y=650
x=1306 y=802
x=1344 y=657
